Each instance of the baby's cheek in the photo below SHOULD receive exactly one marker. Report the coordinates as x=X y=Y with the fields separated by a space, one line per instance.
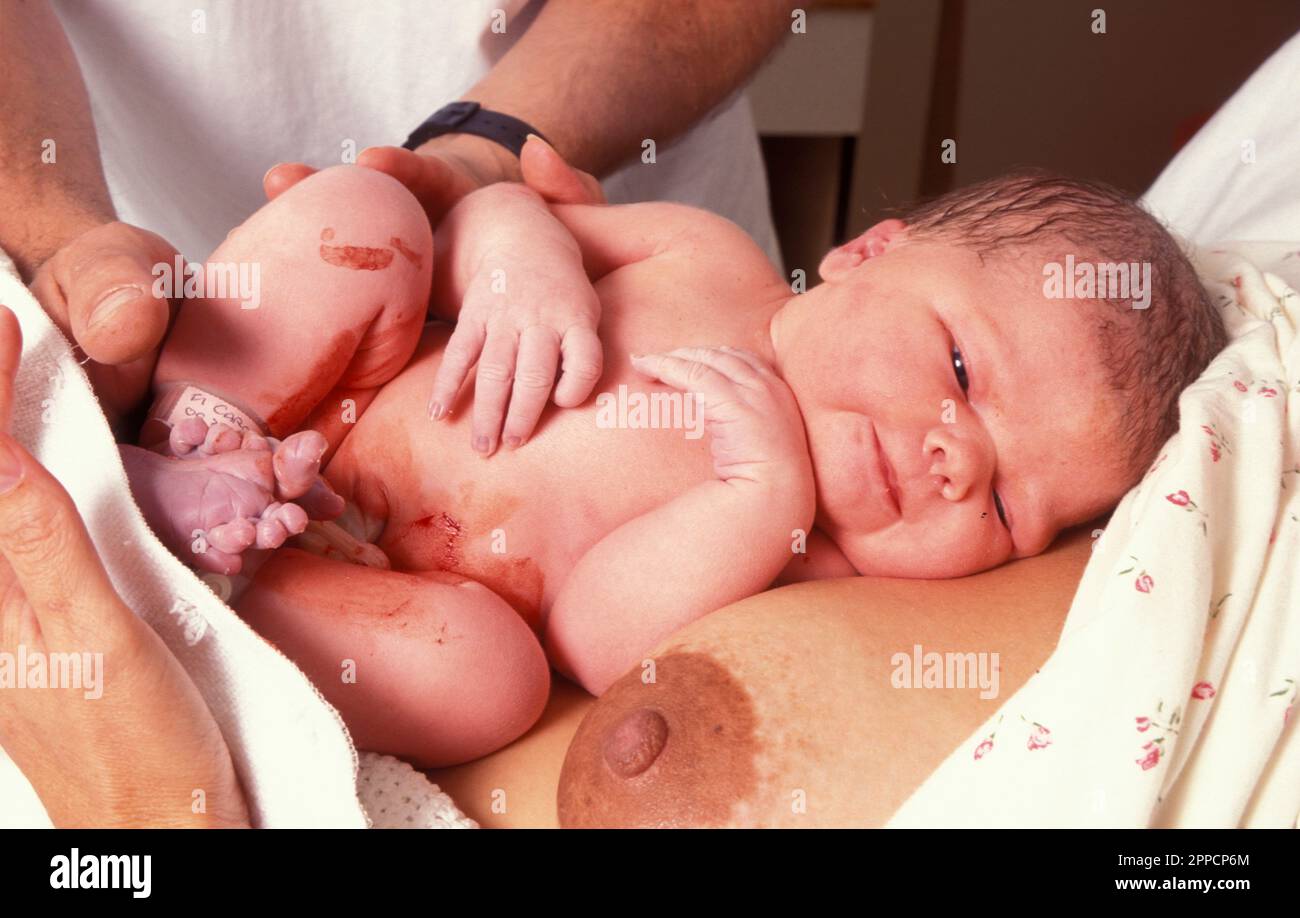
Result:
x=954 y=543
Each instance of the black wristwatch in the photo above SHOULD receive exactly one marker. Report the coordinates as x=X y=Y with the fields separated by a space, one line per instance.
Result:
x=472 y=118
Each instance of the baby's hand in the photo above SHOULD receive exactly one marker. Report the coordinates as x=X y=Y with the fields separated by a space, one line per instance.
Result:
x=528 y=310
x=756 y=431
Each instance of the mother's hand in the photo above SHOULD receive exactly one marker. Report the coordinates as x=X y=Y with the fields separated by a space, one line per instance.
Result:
x=134 y=749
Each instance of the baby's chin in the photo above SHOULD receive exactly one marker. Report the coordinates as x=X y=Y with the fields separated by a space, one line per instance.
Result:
x=905 y=553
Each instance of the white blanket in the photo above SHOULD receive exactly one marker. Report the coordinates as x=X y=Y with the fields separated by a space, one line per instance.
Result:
x=1170 y=699
x=291 y=751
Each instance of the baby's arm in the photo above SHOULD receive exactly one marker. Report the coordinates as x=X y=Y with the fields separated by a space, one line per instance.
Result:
x=512 y=278
x=719 y=542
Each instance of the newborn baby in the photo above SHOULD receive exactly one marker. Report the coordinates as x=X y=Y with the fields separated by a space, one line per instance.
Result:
x=926 y=411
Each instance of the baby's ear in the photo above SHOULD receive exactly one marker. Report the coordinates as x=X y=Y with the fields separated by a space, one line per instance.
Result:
x=875 y=241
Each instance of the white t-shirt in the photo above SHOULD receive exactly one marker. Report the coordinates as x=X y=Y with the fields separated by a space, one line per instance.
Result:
x=193 y=101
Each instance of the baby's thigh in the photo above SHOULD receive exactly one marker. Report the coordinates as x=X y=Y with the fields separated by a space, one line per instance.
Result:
x=434 y=668
x=325 y=286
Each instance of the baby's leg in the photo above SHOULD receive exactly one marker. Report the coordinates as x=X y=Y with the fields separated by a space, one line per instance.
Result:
x=432 y=667
x=338 y=272
x=325 y=290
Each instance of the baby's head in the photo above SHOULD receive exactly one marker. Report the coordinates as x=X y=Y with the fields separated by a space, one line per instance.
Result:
x=961 y=409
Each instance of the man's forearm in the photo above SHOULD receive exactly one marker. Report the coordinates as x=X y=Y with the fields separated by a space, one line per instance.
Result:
x=598 y=77
x=51 y=182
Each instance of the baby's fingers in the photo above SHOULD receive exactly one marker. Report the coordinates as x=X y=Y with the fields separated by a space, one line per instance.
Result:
x=492 y=385
x=680 y=372
x=463 y=348
x=534 y=377
x=703 y=368
x=583 y=363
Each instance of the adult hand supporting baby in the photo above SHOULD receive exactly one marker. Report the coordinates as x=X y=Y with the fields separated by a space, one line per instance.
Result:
x=133 y=747
x=548 y=315
x=97 y=289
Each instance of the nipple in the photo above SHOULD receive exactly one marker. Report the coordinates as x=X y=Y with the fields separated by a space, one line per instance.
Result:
x=632 y=745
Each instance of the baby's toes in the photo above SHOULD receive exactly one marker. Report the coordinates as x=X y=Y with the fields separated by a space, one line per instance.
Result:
x=297 y=463
x=221 y=438
x=234 y=536
x=218 y=562
x=186 y=435
x=278 y=522
x=321 y=502
x=255 y=441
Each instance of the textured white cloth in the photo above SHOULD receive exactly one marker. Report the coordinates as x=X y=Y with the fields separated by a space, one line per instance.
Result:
x=1170 y=698
x=193 y=102
x=290 y=748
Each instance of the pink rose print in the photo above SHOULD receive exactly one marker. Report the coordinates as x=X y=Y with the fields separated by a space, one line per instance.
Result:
x=1236 y=282
x=1152 y=757
x=1041 y=738
x=1144 y=582
x=1154 y=748
x=1203 y=691
x=1218 y=442
x=1267 y=392
x=986 y=747
x=1241 y=386
x=1182 y=499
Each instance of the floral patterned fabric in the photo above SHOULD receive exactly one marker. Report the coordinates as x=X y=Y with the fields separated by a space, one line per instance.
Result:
x=1171 y=697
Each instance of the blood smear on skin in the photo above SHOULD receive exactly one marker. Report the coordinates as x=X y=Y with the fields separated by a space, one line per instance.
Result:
x=408 y=253
x=356 y=257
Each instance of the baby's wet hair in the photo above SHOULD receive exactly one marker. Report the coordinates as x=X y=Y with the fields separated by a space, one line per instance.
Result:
x=1150 y=355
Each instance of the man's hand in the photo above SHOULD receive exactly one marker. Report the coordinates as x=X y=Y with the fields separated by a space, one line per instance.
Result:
x=132 y=749
x=545 y=317
x=445 y=169
x=98 y=289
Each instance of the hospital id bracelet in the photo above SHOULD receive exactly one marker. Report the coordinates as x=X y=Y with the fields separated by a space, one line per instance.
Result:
x=472 y=118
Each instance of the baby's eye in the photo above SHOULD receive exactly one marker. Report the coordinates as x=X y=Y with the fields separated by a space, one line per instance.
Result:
x=1002 y=514
x=959 y=367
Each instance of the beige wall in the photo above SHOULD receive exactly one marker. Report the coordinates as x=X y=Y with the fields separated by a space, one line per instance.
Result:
x=1039 y=88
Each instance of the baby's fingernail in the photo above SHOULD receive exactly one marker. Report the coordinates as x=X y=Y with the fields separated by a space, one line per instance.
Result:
x=513 y=442
x=111 y=302
x=481 y=444
x=435 y=410
x=636 y=356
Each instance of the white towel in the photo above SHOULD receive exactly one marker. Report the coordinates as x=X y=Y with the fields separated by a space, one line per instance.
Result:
x=291 y=751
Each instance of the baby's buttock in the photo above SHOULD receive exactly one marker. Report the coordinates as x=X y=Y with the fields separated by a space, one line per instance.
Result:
x=517 y=521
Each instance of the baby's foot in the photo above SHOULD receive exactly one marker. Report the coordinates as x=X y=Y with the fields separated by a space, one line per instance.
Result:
x=228 y=492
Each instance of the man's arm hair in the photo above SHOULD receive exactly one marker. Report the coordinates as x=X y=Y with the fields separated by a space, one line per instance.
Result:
x=51 y=182
x=598 y=77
